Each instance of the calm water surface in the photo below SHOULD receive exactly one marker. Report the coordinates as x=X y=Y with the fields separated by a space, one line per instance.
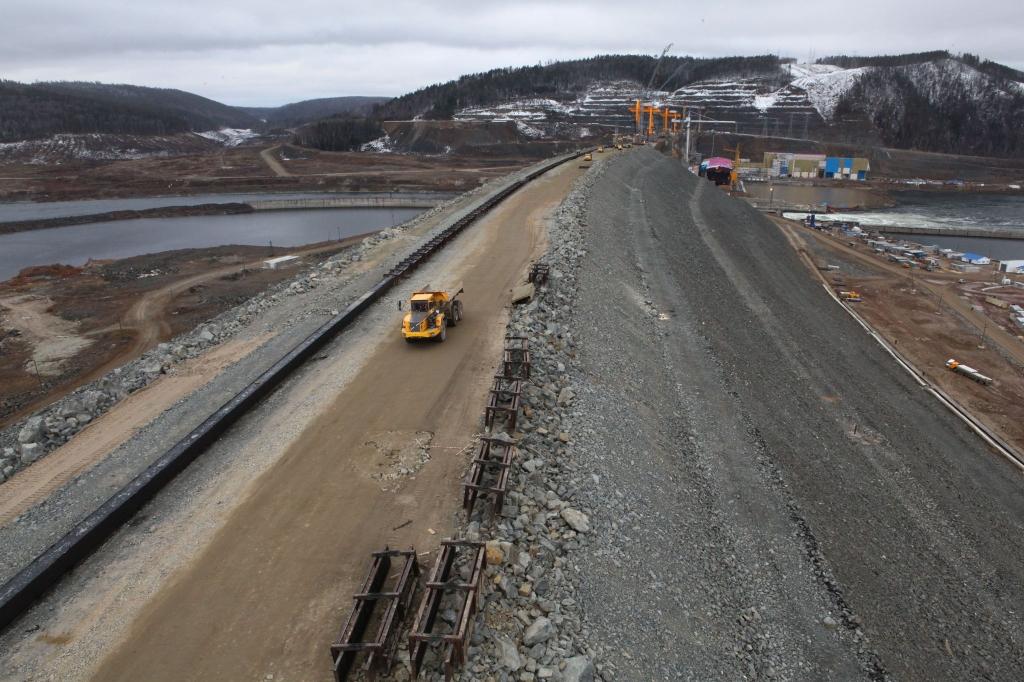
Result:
x=76 y=244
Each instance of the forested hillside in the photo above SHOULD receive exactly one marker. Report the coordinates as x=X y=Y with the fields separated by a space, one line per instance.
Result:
x=43 y=109
x=557 y=80
x=310 y=110
x=564 y=80
x=944 y=106
x=339 y=133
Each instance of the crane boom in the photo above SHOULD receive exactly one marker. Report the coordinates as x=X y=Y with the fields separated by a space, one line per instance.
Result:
x=657 y=64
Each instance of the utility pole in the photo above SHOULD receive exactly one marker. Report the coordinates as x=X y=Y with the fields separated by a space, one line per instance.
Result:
x=686 y=158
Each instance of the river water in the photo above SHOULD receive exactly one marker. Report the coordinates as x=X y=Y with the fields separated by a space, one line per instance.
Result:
x=951 y=210
x=76 y=244
x=27 y=210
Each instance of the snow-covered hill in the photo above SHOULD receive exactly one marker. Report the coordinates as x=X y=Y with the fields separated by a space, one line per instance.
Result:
x=814 y=101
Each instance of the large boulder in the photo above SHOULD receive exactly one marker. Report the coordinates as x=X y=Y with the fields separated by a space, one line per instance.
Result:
x=32 y=431
x=576 y=519
x=578 y=669
x=540 y=630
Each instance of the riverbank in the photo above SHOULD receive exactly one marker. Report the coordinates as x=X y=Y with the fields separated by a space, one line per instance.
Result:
x=161 y=212
x=63 y=326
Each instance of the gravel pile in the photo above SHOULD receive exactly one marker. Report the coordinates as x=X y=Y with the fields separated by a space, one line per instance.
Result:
x=27 y=441
x=530 y=626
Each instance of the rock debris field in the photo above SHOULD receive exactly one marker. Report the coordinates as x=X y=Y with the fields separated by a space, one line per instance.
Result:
x=722 y=477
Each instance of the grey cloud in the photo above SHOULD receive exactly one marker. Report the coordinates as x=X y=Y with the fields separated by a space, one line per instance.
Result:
x=266 y=52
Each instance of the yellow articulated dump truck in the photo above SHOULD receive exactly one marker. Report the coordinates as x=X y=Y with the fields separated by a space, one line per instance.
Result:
x=431 y=312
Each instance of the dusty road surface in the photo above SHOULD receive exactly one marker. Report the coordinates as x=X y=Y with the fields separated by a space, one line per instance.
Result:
x=268 y=156
x=268 y=593
x=786 y=501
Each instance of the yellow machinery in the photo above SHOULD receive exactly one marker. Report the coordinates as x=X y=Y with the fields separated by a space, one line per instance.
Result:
x=851 y=296
x=430 y=314
x=588 y=157
x=734 y=176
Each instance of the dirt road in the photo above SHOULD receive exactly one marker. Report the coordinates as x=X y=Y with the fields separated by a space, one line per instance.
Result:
x=939 y=284
x=268 y=594
x=268 y=157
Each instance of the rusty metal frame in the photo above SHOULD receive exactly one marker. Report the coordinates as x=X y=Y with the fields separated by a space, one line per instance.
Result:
x=438 y=584
x=515 y=359
x=380 y=651
x=504 y=401
x=489 y=474
x=539 y=273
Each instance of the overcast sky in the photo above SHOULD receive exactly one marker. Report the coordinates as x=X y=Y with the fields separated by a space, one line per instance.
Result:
x=270 y=52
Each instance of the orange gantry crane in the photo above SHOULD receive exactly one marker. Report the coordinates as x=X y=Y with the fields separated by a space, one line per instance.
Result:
x=651 y=111
x=670 y=118
x=637 y=110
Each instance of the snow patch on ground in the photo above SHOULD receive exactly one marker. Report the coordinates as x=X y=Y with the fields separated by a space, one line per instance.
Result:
x=825 y=89
x=229 y=137
x=808 y=70
x=381 y=144
x=529 y=131
x=765 y=102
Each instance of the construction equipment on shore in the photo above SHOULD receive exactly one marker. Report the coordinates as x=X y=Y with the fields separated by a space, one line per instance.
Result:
x=968 y=372
x=431 y=312
x=850 y=296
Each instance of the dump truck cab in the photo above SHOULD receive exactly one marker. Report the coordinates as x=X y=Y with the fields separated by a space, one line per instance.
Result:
x=430 y=314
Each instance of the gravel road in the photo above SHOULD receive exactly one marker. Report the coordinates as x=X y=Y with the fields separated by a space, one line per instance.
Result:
x=775 y=498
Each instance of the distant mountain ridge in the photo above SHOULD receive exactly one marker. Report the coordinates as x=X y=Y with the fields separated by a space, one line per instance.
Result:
x=309 y=110
x=40 y=110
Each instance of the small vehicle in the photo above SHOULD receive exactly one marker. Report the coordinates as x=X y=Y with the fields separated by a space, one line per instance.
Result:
x=588 y=157
x=851 y=296
x=600 y=150
x=431 y=312
x=618 y=146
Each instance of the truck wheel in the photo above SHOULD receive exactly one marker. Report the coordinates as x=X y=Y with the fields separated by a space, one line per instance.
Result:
x=444 y=332
x=453 y=318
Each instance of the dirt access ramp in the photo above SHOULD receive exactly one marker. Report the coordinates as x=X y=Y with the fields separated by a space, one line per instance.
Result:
x=265 y=592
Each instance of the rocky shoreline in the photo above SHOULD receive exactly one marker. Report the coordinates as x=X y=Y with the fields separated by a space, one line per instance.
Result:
x=159 y=212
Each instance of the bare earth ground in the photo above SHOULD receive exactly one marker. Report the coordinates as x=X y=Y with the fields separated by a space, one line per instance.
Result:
x=927 y=318
x=74 y=325
x=320 y=489
x=254 y=168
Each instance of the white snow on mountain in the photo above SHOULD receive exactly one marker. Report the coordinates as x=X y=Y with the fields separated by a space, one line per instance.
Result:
x=381 y=144
x=825 y=88
x=229 y=137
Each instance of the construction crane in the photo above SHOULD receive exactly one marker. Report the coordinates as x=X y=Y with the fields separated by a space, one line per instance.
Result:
x=666 y=115
x=657 y=64
x=638 y=111
x=651 y=112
